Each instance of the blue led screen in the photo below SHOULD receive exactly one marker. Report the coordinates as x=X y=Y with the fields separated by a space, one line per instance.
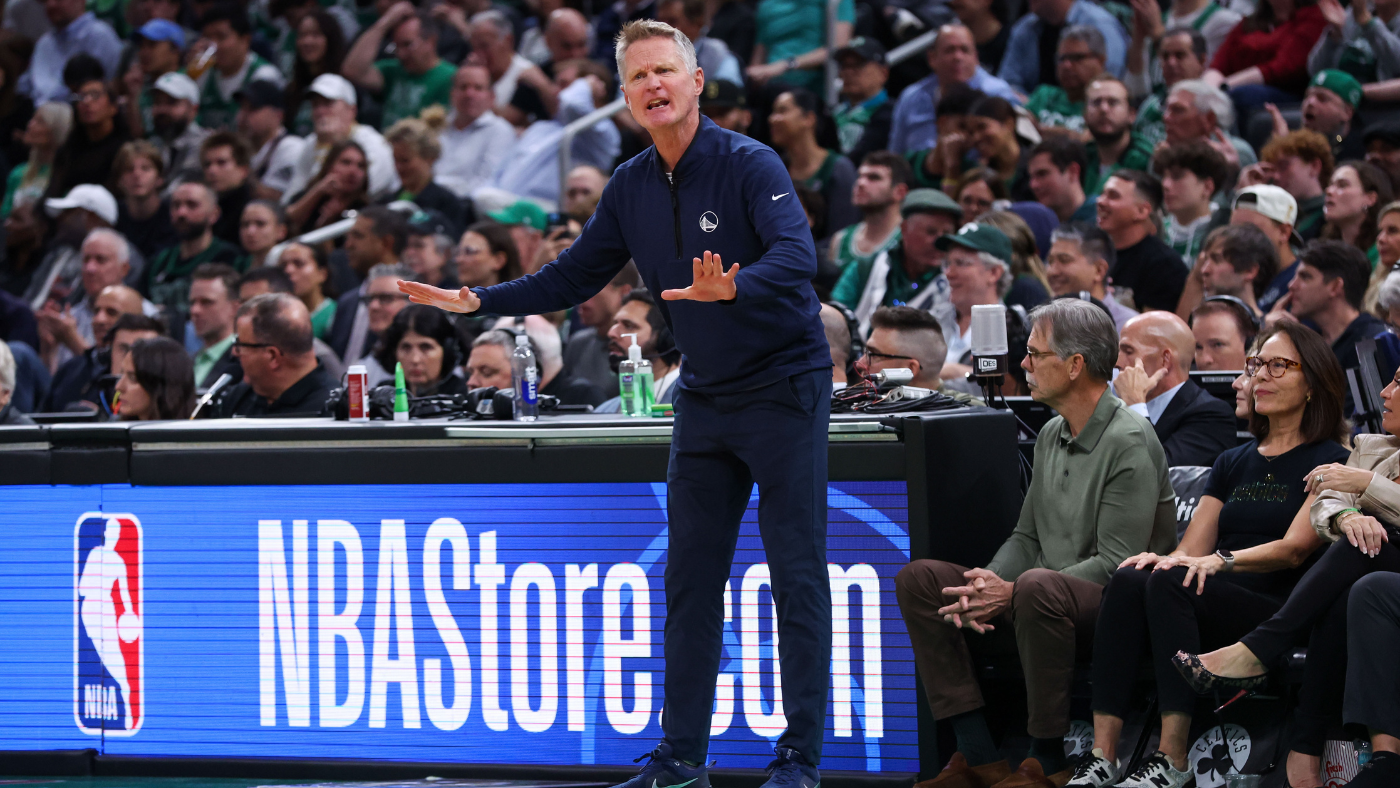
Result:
x=511 y=623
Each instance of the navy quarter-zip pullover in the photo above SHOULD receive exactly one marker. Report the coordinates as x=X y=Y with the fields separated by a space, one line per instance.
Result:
x=729 y=195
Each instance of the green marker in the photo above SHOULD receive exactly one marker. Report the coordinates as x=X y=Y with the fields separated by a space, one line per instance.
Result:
x=400 y=395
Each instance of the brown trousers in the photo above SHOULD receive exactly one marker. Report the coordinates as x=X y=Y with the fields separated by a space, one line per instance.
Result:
x=1052 y=618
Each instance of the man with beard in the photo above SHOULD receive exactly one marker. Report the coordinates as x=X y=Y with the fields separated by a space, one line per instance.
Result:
x=1080 y=58
x=639 y=315
x=586 y=354
x=1109 y=119
x=882 y=182
x=174 y=105
x=193 y=210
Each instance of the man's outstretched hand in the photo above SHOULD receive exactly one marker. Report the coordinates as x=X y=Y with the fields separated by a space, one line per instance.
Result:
x=463 y=300
x=711 y=282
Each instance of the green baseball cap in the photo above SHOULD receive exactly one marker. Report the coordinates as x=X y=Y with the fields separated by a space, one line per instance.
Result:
x=522 y=212
x=1341 y=83
x=929 y=200
x=979 y=238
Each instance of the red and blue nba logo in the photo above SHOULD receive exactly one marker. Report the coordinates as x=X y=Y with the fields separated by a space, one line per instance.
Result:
x=109 y=676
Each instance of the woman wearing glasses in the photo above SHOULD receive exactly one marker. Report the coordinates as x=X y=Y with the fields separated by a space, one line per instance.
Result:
x=1247 y=545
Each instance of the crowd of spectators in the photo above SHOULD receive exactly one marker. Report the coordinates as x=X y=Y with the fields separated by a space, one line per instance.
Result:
x=1150 y=189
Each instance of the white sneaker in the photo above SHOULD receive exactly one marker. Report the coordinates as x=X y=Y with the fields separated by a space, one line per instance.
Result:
x=1157 y=772
x=1093 y=771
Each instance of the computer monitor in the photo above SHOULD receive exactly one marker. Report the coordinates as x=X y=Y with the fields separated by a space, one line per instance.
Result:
x=1218 y=383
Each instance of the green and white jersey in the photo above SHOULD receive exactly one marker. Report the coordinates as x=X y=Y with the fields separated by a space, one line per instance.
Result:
x=217 y=107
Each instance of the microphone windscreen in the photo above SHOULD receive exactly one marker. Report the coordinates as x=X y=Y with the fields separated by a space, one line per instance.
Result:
x=989 y=330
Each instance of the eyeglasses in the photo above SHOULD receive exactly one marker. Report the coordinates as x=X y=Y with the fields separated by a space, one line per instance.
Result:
x=1276 y=366
x=239 y=346
x=1036 y=355
x=385 y=299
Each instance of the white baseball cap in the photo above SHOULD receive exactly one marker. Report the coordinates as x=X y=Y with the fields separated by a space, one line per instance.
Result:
x=89 y=197
x=333 y=87
x=1271 y=201
x=177 y=86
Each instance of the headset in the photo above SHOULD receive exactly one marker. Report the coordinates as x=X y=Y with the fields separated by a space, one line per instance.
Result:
x=857 y=349
x=1240 y=307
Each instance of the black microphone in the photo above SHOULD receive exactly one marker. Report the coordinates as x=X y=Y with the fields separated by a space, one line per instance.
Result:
x=223 y=380
x=989 y=347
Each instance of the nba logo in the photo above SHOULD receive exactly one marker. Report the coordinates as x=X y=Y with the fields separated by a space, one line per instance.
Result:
x=108 y=615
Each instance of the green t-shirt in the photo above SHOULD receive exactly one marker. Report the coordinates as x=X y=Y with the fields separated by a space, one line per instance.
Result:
x=898 y=287
x=1051 y=107
x=846 y=247
x=1137 y=156
x=405 y=95
x=168 y=276
x=15 y=188
x=789 y=28
x=322 y=318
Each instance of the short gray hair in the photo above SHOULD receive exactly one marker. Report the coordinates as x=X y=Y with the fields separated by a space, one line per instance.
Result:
x=1080 y=328
x=7 y=368
x=496 y=19
x=1390 y=292
x=1088 y=35
x=119 y=240
x=396 y=270
x=1209 y=98
x=642 y=29
x=988 y=259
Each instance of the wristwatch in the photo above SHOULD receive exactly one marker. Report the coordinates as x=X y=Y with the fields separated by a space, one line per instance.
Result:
x=1228 y=557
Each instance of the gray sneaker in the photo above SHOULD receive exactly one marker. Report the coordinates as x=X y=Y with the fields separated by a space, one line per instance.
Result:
x=1093 y=771
x=1157 y=772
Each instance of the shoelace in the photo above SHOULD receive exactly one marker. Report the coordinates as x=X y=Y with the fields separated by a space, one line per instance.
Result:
x=785 y=770
x=1086 y=763
x=1142 y=771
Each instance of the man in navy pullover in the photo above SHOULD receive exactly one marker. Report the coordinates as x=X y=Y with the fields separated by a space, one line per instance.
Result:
x=753 y=403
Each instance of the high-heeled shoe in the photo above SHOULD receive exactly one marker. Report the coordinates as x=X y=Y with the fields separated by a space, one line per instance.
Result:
x=1204 y=682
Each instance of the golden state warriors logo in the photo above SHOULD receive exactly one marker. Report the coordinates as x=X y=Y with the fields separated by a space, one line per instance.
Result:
x=709 y=222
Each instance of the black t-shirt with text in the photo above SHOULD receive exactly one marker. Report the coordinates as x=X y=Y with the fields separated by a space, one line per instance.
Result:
x=1262 y=496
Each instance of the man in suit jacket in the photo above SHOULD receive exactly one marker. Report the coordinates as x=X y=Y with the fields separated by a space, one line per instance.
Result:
x=1154 y=359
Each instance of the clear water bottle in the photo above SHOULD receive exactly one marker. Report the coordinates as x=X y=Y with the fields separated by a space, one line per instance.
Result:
x=525 y=377
x=1363 y=751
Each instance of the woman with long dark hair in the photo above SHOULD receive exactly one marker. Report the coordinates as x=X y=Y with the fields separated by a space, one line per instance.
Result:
x=1352 y=209
x=320 y=50
x=1249 y=542
x=991 y=128
x=795 y=125
x=341 y=185
x=423 y=339
x=157 y=381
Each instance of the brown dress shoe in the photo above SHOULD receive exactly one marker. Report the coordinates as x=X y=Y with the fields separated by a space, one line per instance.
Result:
x=1029 y=775
x=957 y=774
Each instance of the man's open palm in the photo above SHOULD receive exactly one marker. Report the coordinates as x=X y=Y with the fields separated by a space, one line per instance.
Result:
x=711 y=282
x=463 y=300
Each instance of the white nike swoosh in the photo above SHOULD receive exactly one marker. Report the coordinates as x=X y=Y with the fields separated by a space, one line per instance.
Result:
x=780 y=196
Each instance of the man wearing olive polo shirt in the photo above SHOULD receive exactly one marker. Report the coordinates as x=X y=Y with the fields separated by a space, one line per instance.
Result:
x=911 y=274
x=1099 y=495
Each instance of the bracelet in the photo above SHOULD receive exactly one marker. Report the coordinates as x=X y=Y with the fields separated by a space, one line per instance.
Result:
x=1337 y=518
